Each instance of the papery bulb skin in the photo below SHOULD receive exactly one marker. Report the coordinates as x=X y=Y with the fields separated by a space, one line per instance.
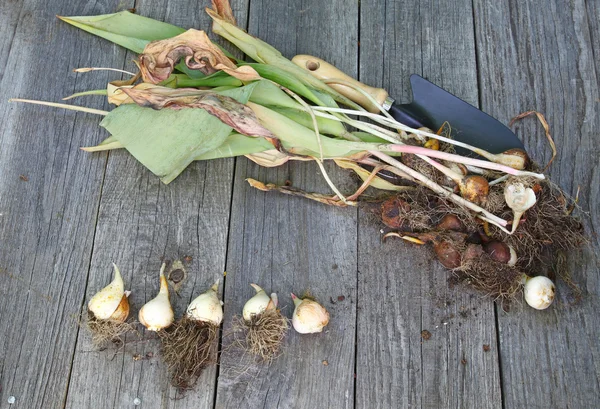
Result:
x=122 y=311
x=498 y=251
x=451 y=222
x=475 y=189
x=515 y=158
x=448 y=254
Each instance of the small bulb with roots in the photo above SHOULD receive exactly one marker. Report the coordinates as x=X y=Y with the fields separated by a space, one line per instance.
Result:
x=108 y=310
x=112 y=301
x=263 y=326
x=190 y=344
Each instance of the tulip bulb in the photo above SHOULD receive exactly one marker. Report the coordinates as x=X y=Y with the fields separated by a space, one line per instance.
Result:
x=519 y=199
x=258 y=304
x=475 y=189
x=515 y=158
x=111 y=302
x=157 y=313
x=539 y=292
x=207 y=307
x=309 y=316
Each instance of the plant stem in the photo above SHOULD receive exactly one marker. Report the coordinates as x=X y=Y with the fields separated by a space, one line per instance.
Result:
x=64 y=106
x=89 y=69
x=417 y=150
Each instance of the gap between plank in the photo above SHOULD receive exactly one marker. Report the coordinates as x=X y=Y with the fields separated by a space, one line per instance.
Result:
x=357 y=213
x=91 y=250
x=229 y=228
x=480 y=103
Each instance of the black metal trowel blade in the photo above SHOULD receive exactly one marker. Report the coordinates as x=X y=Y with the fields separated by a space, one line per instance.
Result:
x=432 y=106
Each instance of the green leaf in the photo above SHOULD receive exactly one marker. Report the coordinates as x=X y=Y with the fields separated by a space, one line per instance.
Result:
x=287 y=80
x=129 y=30
x=264 y=53
x=326 y=126
x=300 y=140
x=167 y=141
x=218 y=79
x=267 y=93
x=237 y=144
x=125 y=29
x=84 y=93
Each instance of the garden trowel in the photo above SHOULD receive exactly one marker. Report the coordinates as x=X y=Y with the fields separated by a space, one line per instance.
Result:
x=431 y=107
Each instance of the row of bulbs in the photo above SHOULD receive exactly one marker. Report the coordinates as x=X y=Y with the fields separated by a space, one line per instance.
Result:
x=112 y=303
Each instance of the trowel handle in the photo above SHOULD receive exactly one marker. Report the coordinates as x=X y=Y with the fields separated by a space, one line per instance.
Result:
x=322 y=70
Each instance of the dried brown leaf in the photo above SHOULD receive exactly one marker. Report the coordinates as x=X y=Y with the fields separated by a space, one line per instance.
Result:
x=223 y=10
x=160 y=57
x=269 y=159
x=231 y=112
x=288 y=190
x=544 y=123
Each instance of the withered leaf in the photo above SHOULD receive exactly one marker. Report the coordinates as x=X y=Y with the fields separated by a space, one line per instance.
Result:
x=223 y=9
x=231 y=112
x=167 y=141
x=117 y=95
x=199 y=53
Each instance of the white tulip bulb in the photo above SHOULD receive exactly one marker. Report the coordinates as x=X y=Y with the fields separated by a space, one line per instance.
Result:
x=207 y=307
x=309 y=316
x=257 y=304
x=157 y=313
x=539 y=292
x=111 y=302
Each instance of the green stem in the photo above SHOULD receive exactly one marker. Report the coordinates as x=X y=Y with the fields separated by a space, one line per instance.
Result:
x=64 y=106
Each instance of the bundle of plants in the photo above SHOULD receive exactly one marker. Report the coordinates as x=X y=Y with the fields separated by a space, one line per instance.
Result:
x=191 y=100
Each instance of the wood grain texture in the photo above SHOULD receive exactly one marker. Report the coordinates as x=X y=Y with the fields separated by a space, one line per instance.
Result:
x=542 y=58
x=288 y=244
x=402 y=292
x=9 y=16
x=140 y=223
x=49 y=194
x=66 y=215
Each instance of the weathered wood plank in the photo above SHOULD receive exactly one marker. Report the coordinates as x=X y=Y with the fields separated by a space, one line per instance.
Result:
x=9 y=16
x=49 y=195
x=593 y=18
x=401 y=291
x=140 y=222
x=542 y=58
x=288 y=244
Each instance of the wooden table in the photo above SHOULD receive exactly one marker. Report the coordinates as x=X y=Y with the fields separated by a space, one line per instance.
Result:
x=65 y=215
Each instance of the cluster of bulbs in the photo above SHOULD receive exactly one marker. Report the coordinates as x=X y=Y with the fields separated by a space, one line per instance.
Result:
x=112 y=303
